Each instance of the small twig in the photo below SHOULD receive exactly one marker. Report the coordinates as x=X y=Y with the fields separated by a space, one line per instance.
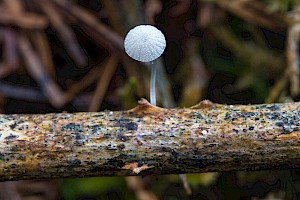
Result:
x=180 y=8
x=277 y=89
x=114 y=11
x=80 y=85
x=152 y=8
x=25 y=20
x=206 y=12
x=16 y=91
x=9 y=191
x=50 y=89
x=3 y=100
x=36 y=189
x=88 y=30
x=137 y=185
x=14 y=6
x=10 y=48
x=43 y=48
x=98 y=38
x=292 y=54
x=87 y=18
x=103 y=83
x=66 y=35
x=194 y=86
x=10 y=55
x=32 y=94
x=185 y=183
x=133 y=69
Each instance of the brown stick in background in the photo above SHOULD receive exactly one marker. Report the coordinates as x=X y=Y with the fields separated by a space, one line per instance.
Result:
x=50 y=89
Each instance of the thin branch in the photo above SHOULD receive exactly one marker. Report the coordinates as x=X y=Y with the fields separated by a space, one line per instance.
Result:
x=90 y=20
x=32 y=94
x=80 y=85
x=43 y=48
x=150 y=140
x=66 y=34
x=185 y=183
x=16 y=91
x=50 y=89
x=10 y=56
x=25 y=20
x=14 y=6
x=277 y=89
x=292 y=51
x=152 y=8
x=138 y=186
x=103 y=83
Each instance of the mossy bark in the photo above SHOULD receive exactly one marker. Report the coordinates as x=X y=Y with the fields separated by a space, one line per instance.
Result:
x=150 y=140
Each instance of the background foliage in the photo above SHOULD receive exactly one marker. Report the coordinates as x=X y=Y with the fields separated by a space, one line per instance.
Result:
x=67 y=56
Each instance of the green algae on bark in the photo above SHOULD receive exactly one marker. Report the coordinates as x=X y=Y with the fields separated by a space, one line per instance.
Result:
x=150 y=140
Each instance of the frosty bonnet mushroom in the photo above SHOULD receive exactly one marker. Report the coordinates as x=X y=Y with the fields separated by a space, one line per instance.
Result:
x=145 y=43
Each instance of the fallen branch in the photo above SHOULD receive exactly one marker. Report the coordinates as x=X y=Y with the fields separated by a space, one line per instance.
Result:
x=150 y=140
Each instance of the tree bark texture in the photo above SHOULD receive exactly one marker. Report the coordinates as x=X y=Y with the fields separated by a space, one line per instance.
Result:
x=150 y=140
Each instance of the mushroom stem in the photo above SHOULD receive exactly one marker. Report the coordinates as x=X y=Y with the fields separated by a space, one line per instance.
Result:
x=152 y=85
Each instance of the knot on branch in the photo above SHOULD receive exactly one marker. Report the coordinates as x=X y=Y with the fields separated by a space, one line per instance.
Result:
x=204 y=104
x=146 y=107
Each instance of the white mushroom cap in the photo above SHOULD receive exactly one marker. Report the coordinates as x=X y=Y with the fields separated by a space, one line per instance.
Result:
x=144 y=43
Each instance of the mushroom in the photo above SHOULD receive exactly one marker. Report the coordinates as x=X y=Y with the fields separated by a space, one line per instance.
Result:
x=145 y=43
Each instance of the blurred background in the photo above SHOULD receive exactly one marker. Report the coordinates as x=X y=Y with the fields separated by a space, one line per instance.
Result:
x=68 y=56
